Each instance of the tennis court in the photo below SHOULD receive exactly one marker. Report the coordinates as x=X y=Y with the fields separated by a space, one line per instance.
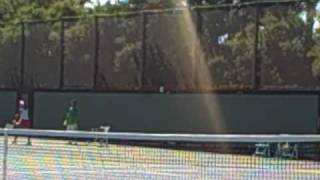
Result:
x=56 y=159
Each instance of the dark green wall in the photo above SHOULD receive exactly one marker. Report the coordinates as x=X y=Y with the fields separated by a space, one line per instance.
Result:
x=8 y=107
x=159 y=113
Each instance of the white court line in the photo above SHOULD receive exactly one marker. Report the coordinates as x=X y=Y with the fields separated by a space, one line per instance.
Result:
x=174 y=171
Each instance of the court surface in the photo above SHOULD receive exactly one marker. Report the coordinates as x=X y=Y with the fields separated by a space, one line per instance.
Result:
x=55 y=159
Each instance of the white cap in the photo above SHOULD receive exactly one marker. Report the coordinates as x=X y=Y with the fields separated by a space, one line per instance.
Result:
x=21 y=102
x=161 y=89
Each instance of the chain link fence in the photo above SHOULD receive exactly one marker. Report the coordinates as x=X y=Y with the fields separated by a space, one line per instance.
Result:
x=246 y=46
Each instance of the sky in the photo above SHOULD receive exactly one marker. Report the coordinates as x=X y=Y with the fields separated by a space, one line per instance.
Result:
x=104 y=1
x=95 y=2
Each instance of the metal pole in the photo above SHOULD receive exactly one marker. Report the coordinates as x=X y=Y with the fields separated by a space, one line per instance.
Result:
x=22 y=58
x=61 y=81
x=318 y=116
x=5 y=154
x=257 y=60
x=196 y=52
x=96 y=52
x=144 y=51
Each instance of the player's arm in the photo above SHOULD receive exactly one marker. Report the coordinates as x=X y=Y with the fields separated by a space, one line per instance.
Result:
x=18 y=121
x=66 y=118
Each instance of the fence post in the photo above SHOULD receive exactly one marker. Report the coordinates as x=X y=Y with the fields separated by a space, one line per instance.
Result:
x=5 y=154
x=196 y=52
x=22 y=55
x=61 y=81
x=144 y=50
x=318 y=115
x=257 y=58
x=96 y=52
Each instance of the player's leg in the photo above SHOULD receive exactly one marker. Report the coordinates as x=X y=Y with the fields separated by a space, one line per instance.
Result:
x=74 y=128
x=29 y=138
x=27 y=125
x=69 y=128
x=15 y=140
x=29 y=141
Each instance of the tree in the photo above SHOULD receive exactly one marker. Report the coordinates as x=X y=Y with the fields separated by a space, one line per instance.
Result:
x=45 y=36
x=286 y=46
x=13 y=12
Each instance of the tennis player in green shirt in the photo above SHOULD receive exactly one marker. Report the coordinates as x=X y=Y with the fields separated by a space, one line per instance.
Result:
x=71 y=121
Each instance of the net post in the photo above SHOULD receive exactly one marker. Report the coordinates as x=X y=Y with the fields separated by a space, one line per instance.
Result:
x=5 y=154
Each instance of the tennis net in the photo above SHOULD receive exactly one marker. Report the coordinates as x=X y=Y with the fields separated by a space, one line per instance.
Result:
x=99 y=155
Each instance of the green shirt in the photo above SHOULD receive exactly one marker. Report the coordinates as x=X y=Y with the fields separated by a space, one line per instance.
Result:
x=72 y=116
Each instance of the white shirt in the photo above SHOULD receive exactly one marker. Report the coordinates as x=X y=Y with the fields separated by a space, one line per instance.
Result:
x=24 y=114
